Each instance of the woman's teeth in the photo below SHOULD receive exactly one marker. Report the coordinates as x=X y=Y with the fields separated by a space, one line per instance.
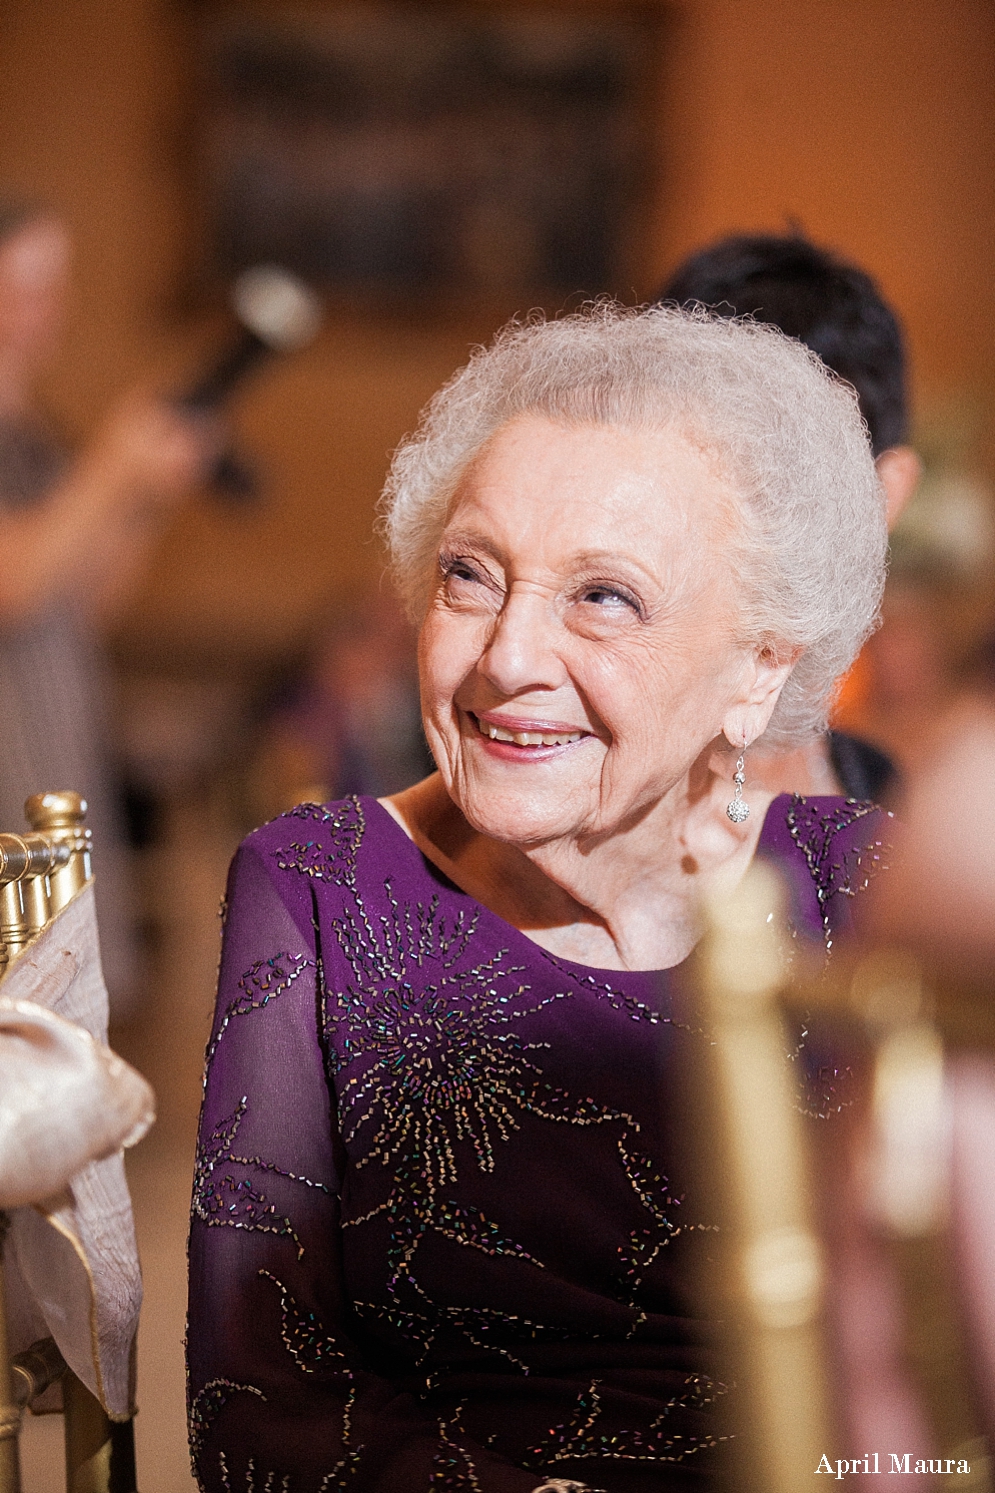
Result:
x=529 y=738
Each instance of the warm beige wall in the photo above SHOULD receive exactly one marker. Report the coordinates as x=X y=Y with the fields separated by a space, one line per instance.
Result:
x=871 y=121
x=91 y=109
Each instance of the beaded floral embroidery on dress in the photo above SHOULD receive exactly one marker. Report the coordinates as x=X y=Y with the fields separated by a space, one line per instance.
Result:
x=208 y=1404
x=835 y=872
x=581 y=1439
x=221 y=1201
x=838 y=867
x=267 y=979
x=426 y=1053
x=448 y=1045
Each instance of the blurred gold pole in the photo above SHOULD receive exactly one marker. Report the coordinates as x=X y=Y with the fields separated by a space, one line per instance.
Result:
x=908 y=1178
x=776 y=1265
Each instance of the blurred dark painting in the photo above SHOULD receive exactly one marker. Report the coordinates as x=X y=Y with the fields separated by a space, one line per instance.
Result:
x=413 y=150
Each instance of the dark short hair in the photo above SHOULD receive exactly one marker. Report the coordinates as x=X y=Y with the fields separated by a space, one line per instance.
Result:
x=829 y=304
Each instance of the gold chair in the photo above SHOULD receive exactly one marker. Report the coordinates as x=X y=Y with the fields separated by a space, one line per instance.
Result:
x=772 y=1274
x=44 y=873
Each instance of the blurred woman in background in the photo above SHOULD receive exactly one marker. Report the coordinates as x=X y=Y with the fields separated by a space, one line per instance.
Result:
x=73 y=533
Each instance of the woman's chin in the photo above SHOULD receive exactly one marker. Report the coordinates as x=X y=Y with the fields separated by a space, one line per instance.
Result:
x=520 y=817
x=524 y=797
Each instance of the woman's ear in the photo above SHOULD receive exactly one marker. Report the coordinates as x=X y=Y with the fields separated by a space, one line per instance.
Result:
x=899 y=470
x=748 y=717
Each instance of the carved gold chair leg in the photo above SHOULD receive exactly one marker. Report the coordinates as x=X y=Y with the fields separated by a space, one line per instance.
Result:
x=10 y=1412
x=100 y=1453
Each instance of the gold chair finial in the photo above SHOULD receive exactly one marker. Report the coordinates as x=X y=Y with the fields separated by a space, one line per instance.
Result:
x=49 y=811
x=60 y=816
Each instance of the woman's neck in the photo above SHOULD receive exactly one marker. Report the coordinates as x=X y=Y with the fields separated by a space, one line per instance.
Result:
x=628 y=902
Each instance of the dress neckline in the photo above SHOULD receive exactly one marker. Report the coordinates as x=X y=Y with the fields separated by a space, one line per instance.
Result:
x=588 y=972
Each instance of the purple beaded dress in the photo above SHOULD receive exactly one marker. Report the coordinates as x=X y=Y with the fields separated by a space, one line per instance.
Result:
x=440 y=1237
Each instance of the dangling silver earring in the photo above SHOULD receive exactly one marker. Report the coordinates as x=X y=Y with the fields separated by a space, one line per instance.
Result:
x=739 y=811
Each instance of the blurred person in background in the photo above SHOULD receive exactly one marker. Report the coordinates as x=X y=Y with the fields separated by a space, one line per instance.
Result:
x=349 y=722
x=836 y=309
x=912 y=1220
x=73 y=533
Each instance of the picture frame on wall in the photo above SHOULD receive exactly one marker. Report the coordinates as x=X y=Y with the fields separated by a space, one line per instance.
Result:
x=420 y=151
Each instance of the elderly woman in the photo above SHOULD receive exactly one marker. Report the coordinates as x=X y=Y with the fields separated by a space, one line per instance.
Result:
x=441 y=1235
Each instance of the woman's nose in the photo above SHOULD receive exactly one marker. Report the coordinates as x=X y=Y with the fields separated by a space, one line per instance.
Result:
x=521 y=651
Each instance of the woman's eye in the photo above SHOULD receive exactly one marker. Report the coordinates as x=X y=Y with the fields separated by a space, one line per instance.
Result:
x=608 y=597
x=464 y=581
x=459 y=570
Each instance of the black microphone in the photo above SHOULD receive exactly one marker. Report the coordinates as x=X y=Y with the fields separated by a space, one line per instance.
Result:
x=278 y=313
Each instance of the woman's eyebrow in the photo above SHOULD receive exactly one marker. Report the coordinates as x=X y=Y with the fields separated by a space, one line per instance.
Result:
x=585 y=559
x=459 y=538
x=455 y=539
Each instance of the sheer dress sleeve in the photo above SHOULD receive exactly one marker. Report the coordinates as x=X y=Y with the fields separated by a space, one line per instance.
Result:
x=280 y=1400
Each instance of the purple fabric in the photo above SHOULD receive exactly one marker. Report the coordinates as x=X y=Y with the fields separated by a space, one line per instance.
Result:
x=441 y=1238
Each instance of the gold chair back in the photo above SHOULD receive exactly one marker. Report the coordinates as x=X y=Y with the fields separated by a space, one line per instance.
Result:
x=773 y=1282
x=41 y=871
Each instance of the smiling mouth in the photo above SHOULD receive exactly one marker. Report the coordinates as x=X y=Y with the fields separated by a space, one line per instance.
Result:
x=527 y=738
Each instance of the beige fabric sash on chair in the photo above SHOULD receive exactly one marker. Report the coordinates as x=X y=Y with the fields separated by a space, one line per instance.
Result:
x=70 y=1261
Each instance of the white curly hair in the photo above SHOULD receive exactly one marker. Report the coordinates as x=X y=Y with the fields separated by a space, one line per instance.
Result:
x=786 y=431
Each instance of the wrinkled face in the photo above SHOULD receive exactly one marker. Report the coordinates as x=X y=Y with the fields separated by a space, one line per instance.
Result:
x=580 y=650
